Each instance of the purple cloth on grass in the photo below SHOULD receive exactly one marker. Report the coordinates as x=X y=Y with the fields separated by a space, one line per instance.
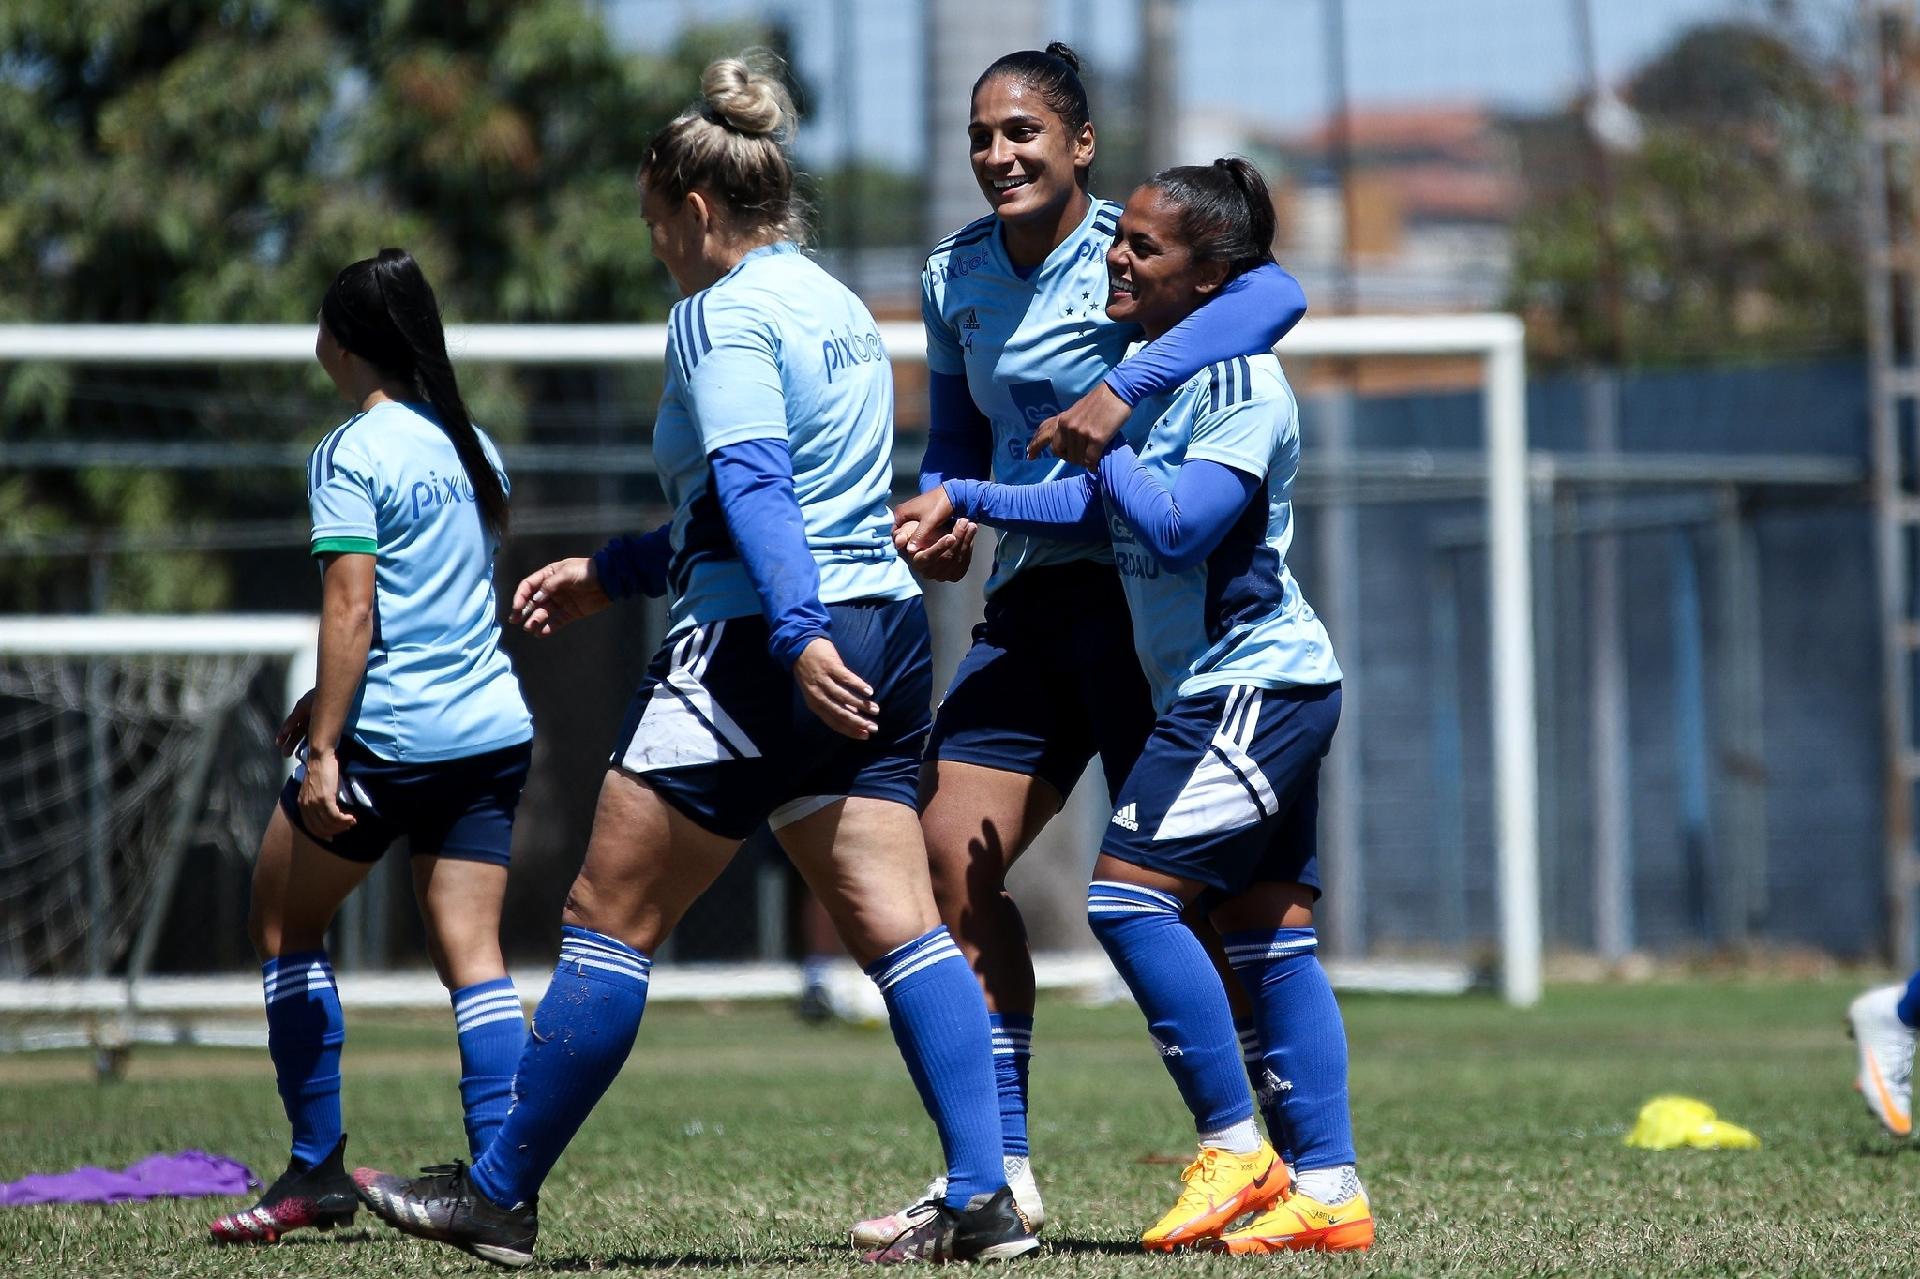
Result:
x=187 y=1175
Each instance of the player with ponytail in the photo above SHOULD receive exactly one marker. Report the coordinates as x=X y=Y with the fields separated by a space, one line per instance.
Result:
x=1217 y=816
x=415 y=728
x=1014 y=310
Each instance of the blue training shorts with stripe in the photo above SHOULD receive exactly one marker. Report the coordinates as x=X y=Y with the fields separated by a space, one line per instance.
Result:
x=1227 y=792
x=719 y=729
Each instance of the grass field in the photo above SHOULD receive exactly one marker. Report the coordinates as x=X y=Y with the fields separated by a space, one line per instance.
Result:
x=738 y=1139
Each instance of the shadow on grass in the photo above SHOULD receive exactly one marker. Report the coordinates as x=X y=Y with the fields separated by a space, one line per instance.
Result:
x=694 y=1260
x=795 y=1256
x=1094 y=1247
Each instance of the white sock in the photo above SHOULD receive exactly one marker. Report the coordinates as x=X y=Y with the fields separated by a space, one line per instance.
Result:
x=1241 y=1138
x=1329 y=1186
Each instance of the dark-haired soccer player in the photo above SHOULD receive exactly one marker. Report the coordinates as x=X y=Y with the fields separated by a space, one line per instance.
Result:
x=415 y=728
x=1015 y=312
x=1219 y=811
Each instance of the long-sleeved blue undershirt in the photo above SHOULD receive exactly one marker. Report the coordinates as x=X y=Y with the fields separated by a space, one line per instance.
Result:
x=959 y=437
x=753 y=484
x=1252 y=314
x=634 y=564
x=1180 y=528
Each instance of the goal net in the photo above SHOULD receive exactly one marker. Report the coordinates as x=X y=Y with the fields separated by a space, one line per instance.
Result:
x=134 y=746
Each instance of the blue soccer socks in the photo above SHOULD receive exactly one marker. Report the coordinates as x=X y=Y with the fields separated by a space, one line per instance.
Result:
x=493 y=1031
x=1304 y=1040
x=1175 y=984
x=1012 y=1052
x=1908 y=1009
x=304 y=1033
x=940 y=1022
x=1266 y=1091
x=582 y=1032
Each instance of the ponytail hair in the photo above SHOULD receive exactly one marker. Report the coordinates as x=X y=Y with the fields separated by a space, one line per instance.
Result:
x=1225 y=212
x=383 y=310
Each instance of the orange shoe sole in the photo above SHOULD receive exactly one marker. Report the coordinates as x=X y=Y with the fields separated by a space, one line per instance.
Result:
x=1349 y=1236
x=1256 y=1197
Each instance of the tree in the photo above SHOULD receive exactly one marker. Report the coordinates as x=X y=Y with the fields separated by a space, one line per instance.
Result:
x=219 y=160
x=1733 y=219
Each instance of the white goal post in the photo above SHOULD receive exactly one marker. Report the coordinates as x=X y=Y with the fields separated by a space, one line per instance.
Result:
x=1496 y=340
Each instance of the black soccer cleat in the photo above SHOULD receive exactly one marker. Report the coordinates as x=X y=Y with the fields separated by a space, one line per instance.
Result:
x=989 y=1228
x=442 y=1205
x=320 y=1196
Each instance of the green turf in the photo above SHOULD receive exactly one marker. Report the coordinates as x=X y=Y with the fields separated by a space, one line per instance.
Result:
x=738 y=1139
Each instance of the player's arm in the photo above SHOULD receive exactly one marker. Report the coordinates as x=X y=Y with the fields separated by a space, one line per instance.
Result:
x=1252 y=313
x=738 y=406
x=346 y=635
x=630 y=565
x=342 y=498
x=1068 y=509
x=1181 y=526
x=959 y=439
x=1255 y=310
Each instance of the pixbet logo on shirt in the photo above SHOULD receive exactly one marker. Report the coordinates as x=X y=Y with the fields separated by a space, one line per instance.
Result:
x=438 y=490
x=841 y=353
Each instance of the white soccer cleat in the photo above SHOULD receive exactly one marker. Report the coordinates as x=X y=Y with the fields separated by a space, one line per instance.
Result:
x=1885 y=1044
x=878 y=1232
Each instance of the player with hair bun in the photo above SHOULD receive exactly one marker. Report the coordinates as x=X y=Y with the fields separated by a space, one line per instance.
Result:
x=1218 y=814
x=1014 y=310
x=792 y=690
x=415 y=728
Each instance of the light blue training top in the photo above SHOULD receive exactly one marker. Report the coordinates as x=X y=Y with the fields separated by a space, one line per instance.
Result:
x=388 y=483
x=1029 y=346
x=778 y=349
x=1238 y=617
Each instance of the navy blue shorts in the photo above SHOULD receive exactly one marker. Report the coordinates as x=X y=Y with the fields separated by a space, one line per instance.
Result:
x=720 y=730
x=1227 y=792
x=461 y=808
x=1051 y=681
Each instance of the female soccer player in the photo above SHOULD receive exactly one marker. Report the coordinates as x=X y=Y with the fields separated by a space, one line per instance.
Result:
x=1219 y=811
x=792 y=689
x=414 y=728
x=1014 y=307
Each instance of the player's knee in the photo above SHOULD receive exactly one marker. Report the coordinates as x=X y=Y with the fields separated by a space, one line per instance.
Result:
x=581 y=908
x=263 y=931
x=1114 y=908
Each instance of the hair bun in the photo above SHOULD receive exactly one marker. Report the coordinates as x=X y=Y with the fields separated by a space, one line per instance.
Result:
x=745 y=100
x=1064 y=51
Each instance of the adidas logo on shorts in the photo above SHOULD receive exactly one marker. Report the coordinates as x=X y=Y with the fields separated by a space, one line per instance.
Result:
x=1127 y=818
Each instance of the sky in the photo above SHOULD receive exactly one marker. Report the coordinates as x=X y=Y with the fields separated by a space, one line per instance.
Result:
x=1514 y=53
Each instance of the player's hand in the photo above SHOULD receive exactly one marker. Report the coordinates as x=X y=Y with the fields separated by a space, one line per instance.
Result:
x=843 y=701
x=562 y=592
x=320 y=810
x=947 y=557
x=295 y=726
x=920 y=522
x=1081 y=434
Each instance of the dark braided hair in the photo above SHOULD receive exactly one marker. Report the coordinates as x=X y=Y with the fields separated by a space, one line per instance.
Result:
x=1054 y=73
x=1225 y=211
x=383 y=310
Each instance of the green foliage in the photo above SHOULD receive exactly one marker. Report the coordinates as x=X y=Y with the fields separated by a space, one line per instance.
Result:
x=1733 y=219
x=220 y=160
